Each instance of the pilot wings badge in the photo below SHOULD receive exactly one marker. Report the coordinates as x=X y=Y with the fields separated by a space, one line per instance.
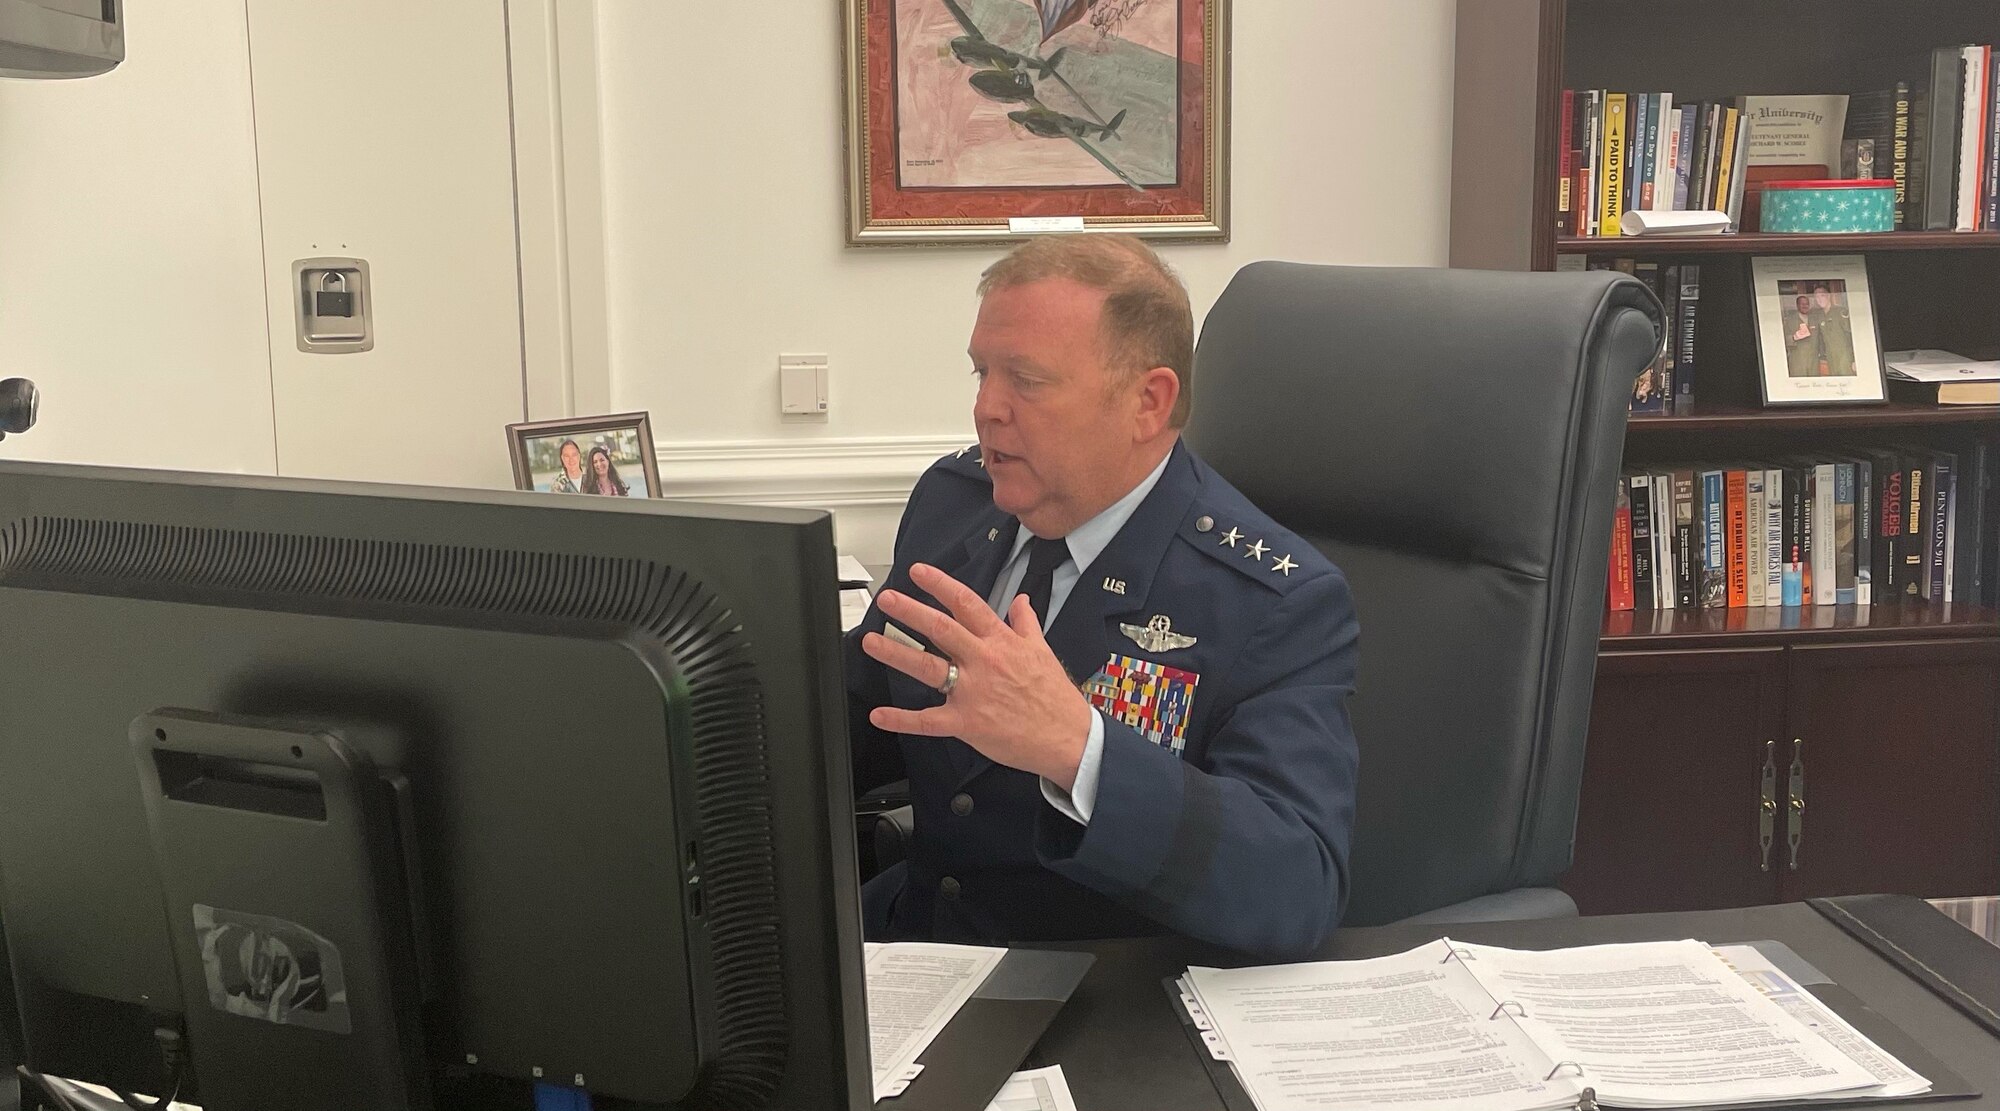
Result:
x=1157 y=635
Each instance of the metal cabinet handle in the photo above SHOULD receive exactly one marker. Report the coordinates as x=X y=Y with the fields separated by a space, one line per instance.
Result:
x=1767 y=803
x=1795 y=816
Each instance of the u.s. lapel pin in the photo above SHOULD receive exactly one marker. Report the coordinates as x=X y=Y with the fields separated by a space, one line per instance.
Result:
x=1157 y=635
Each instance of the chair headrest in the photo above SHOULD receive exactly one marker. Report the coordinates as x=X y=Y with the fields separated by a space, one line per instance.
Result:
x=1314 y=383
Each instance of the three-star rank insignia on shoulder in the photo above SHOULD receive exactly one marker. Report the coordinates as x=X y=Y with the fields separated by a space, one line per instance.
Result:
x=1156 y=635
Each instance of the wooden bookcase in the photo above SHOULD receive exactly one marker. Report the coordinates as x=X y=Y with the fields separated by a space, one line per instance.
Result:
x=1871 y=732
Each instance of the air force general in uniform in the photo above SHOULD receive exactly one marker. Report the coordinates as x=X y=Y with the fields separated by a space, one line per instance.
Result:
x=1118 y=690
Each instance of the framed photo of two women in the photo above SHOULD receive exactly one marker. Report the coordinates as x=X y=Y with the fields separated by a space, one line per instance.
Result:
x=609 y=456
x=976 y=120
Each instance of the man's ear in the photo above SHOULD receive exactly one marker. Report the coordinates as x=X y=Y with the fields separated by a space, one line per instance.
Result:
x=1159 y=389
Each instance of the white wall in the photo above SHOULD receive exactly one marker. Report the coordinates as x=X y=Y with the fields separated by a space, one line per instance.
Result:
x=130 y=265
x=724 y=211
x=131 y=285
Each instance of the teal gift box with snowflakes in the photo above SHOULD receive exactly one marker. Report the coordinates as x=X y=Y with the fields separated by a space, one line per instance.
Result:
x=1829 y=206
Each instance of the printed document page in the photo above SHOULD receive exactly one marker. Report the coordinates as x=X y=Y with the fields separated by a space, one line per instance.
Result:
x=853 y=608
x=1662 y=1024
x=1035 y=1090
x=1414 y=1031
x=851 y=572
x=1894 y=1077
x=914 y=989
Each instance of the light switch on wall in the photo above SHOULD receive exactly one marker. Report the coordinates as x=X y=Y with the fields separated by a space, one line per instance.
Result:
x=802 y=384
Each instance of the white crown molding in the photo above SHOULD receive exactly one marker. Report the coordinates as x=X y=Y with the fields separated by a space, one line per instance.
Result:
x=819 y=474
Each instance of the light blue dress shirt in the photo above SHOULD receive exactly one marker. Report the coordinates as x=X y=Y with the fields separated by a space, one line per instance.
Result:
x=1086 y=542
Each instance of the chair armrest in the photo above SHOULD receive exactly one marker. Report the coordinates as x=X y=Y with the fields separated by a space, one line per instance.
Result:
x=868 y=810
x=894 y=830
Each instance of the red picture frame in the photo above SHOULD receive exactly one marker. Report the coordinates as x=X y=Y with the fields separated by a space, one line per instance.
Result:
x=1013 y=111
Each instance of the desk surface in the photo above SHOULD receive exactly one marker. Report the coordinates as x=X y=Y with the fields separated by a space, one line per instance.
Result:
x=1122 y=1048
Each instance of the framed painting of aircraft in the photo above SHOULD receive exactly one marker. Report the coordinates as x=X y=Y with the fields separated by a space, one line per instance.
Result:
x=980 y=120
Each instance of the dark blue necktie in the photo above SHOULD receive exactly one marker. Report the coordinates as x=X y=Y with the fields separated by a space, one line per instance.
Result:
x=1044 y=556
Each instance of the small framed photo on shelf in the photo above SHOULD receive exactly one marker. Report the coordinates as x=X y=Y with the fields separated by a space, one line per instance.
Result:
x=610 y=456
x=1817 y=341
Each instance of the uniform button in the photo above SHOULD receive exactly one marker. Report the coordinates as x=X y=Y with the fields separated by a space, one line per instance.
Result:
x=948 y=887
x=1204 y=523
x=961 y=805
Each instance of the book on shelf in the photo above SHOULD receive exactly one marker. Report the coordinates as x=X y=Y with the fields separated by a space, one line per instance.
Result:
x=1868 y=139
x=1864 y=531
x=1944 y=393
x=1611 y=166
x=1844 y=527
x=1714 y=588
x=1686 y=541
x=1970 y=209
x=1618 y=591
x=1640 y=502
x=1934 y=130
x=1736 y=536
x=1664 y=386
x=1755 y=572
x=1934 y=377
x=1992 y=215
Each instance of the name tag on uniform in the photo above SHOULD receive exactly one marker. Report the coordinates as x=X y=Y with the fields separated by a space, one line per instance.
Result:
x=1152 y=698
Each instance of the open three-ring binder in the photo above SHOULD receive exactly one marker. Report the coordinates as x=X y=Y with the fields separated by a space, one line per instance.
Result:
x=1478 y=1028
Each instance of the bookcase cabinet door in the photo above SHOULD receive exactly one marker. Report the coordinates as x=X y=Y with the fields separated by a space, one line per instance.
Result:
x=1672 y=781
x=1901 y=759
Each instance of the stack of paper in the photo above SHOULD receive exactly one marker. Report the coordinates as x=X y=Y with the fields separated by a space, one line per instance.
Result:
x=914 y=989
x=1477 y=1028
x=1946 y=377
x=1035 y=1090
x=854 y=596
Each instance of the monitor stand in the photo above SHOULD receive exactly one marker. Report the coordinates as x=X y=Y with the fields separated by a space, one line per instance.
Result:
x=291 y=912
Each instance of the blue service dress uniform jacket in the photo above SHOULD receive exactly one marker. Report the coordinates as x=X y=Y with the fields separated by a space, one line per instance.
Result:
x=1220 y=650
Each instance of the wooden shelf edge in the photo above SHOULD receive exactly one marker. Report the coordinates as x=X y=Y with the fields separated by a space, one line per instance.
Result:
x=1767 y=243
x=1635 y=631
x=1716 y=418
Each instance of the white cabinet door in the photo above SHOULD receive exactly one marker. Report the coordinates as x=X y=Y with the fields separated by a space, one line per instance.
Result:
x=383 y=133
x=131 y=289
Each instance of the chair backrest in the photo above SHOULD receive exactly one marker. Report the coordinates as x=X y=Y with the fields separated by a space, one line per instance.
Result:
x=1451 y=439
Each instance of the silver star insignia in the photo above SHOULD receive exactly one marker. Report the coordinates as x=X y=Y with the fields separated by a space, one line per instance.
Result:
x=1257 y=551
x=1284 y=564
x=1156 y=635
x=961 y=451
x=1232 y=536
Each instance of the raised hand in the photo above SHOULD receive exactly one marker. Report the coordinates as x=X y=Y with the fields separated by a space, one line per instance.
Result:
x=1011 y=698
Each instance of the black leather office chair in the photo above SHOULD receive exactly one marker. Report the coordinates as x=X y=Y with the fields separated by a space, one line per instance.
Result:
x=1450 y=439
